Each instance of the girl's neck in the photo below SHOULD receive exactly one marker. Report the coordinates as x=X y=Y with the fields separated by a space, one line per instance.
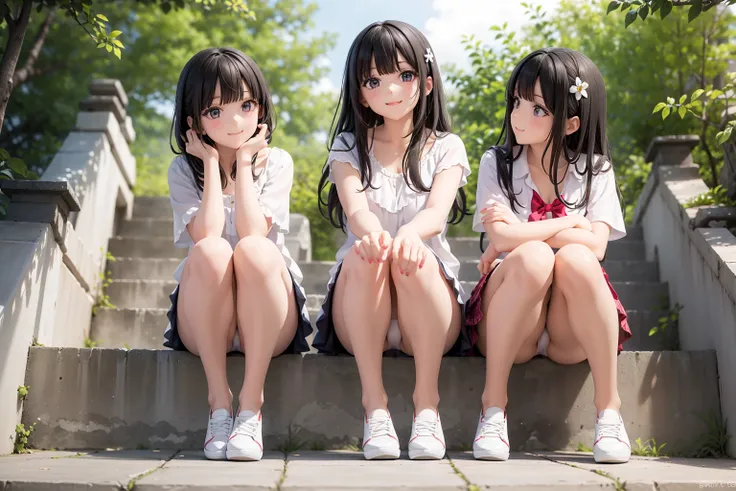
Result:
x=227 y=157
x=534 y=155
x=396 y=132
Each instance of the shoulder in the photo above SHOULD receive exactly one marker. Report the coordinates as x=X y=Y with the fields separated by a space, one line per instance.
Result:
x=179 y=168
x=280 y=158
x=343 y=142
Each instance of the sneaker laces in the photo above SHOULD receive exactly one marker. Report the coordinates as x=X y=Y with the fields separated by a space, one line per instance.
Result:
x=425 y=428
x=220 y=426
x=491 y=428
x=246 y=427
x=612 y=430
x=380 y=427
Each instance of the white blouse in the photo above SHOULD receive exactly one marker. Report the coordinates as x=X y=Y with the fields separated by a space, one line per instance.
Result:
x=603 y=204
x=391 y=199
x=273 y=186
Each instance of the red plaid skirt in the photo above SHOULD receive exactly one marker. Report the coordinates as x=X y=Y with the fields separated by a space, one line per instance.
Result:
x=474 y=310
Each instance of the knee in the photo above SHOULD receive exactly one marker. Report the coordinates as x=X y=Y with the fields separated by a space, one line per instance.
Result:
x=576 y=265
x=532 y=264
x=210 y=256
x=256 y=257
x=364 y=271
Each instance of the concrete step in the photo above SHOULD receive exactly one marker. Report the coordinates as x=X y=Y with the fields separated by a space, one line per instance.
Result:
x=104 y=398
x=462 y=247
x=316 y=273
x=158 y=207
x=147 y=227
x=144 y=329
x=301 y=469
x=155 y=294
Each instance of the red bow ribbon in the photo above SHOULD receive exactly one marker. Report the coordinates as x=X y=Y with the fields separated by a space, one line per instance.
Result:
x=540 y=208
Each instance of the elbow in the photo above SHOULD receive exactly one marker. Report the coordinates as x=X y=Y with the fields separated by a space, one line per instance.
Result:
x=600 y=251
x=501 y=243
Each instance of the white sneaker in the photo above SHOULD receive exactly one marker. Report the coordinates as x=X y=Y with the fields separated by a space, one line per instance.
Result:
x=246 y=440
x=379 y=436
x=219 y=427
x=492 y=437
x=427 y=440
x=612 y=444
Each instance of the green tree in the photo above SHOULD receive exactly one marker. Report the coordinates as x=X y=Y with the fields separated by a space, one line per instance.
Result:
x=636 y=9
x=15 y=17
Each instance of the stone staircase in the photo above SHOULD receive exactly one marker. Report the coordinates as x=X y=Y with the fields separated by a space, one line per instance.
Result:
x=149 y=397
x=145 y=260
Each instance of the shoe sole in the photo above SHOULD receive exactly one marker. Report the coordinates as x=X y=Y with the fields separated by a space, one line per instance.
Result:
x=242 y=457
x=425 y=455
x=485 y=455
x=215 y=455
x=380 y=455
x=604 y=458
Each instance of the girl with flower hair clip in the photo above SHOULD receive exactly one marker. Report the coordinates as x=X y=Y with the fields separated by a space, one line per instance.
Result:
x=547 y=198
x=395 y=174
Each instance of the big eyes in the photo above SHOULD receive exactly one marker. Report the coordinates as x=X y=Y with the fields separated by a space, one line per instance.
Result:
x=215 y=112
x=538 y=110
x=373 y=82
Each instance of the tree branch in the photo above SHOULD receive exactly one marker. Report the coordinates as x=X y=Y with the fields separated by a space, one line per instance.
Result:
x=23 y=74
x=10 y=55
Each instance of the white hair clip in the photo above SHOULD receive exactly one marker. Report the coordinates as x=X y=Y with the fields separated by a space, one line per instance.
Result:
x=579 y=89
x=429 y=56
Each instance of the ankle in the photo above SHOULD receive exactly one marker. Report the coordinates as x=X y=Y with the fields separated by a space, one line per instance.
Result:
x=612 y=403
x=422 y=403
x=371 y=404
x=494 y=400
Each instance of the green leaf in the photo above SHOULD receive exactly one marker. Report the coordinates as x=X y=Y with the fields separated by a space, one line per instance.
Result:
x=666 y=9
x=4 y=155
x=630 y=17
x=100 y=16
x=116 y=50
x=115 y=34
x=656 y=5
x=683 y=99
x=670 y=100
x=117 y=43
x=659 y=107
x=715 y=94
x=6 y=172
x=653 y=331
x=697 y=94
x=614 y=5
x=666 y=112
x=682 y=111
x=694 y=12
x=18 y=166
x=644 y=12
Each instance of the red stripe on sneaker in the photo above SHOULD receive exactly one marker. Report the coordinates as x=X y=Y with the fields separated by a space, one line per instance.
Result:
x=208 y=441
x=443 y=443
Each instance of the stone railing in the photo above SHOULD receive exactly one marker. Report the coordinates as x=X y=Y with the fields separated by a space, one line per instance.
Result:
x=53 y=243
x=696 y=253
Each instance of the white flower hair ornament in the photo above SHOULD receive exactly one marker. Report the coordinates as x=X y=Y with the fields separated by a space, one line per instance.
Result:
x=429 y=56
x=579 y=89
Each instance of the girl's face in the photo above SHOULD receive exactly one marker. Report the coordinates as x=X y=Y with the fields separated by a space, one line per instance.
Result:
x=531 y=120
x=393 y=95
x=231 y=125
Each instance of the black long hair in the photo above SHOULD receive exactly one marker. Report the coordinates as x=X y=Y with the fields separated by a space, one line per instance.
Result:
x=557 y=70
x=382 y=41
x=196 y=89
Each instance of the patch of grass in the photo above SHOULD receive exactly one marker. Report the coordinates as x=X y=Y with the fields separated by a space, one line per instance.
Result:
x=471 y=486
x=715 y=196
x=648 y=448
x=23 y=392
x=89 y=343
x=583 y=448
x=36 y=343
x=317 y=446
x=291 y=444
x=352 y=447
x=141 y=446
x=21 y=438
x=668 y=321
x=714 y=441
x=616 y=481
x=103 y=299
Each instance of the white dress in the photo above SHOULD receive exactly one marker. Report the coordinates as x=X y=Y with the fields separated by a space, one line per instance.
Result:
x=395 y=204
x=273 y=186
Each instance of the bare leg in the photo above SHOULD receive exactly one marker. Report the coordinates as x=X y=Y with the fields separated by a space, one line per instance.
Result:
x=267 y=312
x=361 y=313
x=206 y=313
x=514 y=306
x=583 y=322
x=429 y=319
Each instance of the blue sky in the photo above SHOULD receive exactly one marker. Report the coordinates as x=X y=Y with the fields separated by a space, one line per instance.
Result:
x=442 y=21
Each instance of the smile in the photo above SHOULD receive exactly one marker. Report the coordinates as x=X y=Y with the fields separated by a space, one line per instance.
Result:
x=233 y=134
x=517 y=129
x=396 y=103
